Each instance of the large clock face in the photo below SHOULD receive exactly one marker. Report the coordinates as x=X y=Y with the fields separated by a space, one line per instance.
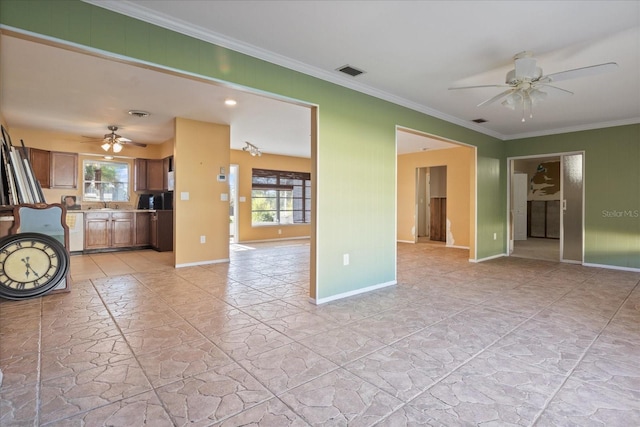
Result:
x=31 y=264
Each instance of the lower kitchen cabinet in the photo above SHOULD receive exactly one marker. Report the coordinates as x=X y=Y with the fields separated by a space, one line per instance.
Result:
x=105 y=230
x=161 y=231
x=143 y=229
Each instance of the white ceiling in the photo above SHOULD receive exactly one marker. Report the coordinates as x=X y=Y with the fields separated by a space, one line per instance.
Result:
x=412 y=51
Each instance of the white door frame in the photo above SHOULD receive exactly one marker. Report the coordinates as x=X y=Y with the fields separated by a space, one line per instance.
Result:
x=235 y=198
x=510 y=169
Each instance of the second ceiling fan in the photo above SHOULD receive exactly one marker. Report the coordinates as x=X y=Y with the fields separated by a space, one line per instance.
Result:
x=115 y=142
x=527 y=85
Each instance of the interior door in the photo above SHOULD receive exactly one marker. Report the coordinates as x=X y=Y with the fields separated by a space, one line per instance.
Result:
x=571 y=238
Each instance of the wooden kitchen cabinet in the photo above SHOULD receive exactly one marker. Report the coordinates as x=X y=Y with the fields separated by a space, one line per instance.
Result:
x=122 y=227
x=104 y=230
x=161 y=231
x=155 y=180
x=97 y=230
x=41 y=164
x=54 y=169
x=143 y=229
x=64 y=170
x=148 y=175
x=140 y=174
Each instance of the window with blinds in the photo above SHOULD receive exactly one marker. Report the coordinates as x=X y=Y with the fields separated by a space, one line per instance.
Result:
x=280 y=197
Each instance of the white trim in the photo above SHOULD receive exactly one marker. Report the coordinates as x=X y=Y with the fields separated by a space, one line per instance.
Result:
x=273 y=240
x=352 y=293
x=404 y=241
x=579 y=128
x=194 y=264
x=457 y=247
x=487 y=258
x=612 y=267
x=510 y=171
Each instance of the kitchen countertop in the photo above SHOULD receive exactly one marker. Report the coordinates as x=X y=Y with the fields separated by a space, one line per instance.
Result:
x=99 y=210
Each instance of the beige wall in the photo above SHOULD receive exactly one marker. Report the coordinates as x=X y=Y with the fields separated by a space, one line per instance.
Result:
x=246 y=163
x=65 y=142
x=200 y=150
x=460 y=164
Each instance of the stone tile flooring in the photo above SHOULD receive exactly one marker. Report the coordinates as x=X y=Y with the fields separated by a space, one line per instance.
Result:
x=511 y=341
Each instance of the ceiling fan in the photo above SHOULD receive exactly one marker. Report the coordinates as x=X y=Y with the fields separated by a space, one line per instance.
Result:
x=527 y=85
x=114 y=141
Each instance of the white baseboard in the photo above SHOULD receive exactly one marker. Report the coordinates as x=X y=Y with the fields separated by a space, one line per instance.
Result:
x=405 y=241
x=352 y=293
x=457 y=247
x=612 y=267
x=487 y=258
x=194 y=264
x=244 y=242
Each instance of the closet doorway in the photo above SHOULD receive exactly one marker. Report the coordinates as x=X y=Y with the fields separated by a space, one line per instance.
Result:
x=546 y=205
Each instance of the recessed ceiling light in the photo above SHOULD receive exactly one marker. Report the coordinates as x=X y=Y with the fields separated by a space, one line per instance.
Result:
x=139 y=113
x=230 y=102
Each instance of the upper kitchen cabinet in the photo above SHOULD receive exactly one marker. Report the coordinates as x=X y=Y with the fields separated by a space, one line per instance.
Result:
x=41 y=164
x=54 y=169
x=64 y=170
x=150 y=174
x=155 y=174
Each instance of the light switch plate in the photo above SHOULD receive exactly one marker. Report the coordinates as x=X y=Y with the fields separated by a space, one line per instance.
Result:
x=224 y=197
x=184 y=195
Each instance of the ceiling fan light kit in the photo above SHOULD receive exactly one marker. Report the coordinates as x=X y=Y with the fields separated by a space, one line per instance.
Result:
x=526 y=82
x=114 y=142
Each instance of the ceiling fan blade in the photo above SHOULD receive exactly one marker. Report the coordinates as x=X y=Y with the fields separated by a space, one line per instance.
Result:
x=139 y=144
x=473 y=87
x=554 y=89
x=497 y=97
x=122 y=139
x=525 y=68
x=579 y=72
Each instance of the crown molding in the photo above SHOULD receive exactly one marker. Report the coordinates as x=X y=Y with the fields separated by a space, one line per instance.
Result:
x=142 y=13
x=578 y=128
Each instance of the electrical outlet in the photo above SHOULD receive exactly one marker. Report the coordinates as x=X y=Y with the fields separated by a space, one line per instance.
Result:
x=279 y=231
x=203 y=239
x=495 y=236
x=345 y=259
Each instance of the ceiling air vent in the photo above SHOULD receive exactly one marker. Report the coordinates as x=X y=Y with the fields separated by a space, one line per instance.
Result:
x=479 y=120
x=348 y=69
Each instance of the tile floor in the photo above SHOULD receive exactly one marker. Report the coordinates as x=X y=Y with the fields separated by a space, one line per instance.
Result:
x=511 y=341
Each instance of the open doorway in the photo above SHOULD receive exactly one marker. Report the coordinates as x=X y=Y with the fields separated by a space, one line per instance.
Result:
x=436 y=185
x=431 y=204
x=546 y=207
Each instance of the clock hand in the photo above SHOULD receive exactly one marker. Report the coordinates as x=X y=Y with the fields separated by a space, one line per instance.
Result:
x=28 y=266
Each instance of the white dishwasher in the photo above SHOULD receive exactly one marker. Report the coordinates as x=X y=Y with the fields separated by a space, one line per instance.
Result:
x=75 y=222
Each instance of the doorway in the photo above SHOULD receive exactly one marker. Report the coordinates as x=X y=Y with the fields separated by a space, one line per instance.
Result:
x=431 y=204
x=546 y=205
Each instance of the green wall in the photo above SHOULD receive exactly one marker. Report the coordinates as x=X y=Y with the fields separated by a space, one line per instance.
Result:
x=356 y=157
x=612 y=188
